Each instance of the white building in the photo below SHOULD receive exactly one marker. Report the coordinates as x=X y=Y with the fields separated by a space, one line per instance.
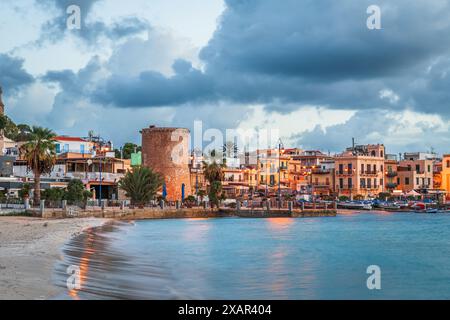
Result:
x=66 y=144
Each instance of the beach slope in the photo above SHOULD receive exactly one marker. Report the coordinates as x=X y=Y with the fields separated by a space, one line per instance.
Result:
x=29 y=248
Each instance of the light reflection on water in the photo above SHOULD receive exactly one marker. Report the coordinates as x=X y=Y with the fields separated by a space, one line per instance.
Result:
x=279 y=258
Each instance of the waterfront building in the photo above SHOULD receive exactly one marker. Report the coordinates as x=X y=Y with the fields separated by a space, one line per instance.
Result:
x=323 y=178
x=360 y=171
x=437 y=175
x=415 y=174
x=297 y=179
x=76 y=145
x=391 y=174
x=166 y=151
x=100 y=174
x=445 y=175
x=273 y=166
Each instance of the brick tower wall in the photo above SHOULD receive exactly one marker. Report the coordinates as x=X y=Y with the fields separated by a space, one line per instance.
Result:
x=166 y=151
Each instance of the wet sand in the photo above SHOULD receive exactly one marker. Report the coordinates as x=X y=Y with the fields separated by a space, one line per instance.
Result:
x=29 y=248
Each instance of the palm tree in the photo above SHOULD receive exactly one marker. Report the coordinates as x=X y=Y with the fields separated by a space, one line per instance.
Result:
x=141 y=184
x=40 y=153
x=214 y=174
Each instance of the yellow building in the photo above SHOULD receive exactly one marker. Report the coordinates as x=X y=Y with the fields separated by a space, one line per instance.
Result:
x=271 y=166
x=360 y=171
x=445 y=174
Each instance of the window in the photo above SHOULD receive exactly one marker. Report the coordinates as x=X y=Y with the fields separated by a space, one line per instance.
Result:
x=341 y=183
x=350 y=168
x=58 y=148
x=398 y=180
x=418 y=168
x=66 y=147
x=327 y=181
x=429 y=168
x=381 y=169
x=368 y=168
x=350 y=183
x=409 y=167
x=417 y=181
x=429 y=181
x=381 y=154
x=374 y=168
x=82 y=148
x=448 y=163
x=341 y=169
x=381 y=182
x=369 y=183
x=362 y=168
x=375 y=183
x=362 y=183
x=407 y=181
x=373 y=153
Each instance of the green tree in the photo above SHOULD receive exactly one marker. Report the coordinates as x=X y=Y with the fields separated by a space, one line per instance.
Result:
x=141 y=184
x=214 y=175
x=39 y=152
x=75 y=190
x=53 y=194
x=127 y=149
x=384 y=196
x=24 y=192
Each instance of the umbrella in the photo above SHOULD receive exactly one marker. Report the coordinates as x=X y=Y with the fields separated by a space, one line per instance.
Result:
x=164 y=191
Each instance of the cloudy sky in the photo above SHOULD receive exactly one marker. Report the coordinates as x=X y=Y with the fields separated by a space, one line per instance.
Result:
x=310 y=68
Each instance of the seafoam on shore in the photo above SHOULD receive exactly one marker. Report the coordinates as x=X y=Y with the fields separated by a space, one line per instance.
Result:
x=29 y=248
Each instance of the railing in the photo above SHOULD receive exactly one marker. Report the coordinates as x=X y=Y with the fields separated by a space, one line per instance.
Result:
x=392 y=174
x=391 y=185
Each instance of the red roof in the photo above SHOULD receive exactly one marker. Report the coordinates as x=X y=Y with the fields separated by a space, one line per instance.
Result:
x=74 y=139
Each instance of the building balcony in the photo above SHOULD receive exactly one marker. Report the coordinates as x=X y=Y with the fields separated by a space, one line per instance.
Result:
x=392 y=174
x=391 y=185
x=369 y=173
x=322 y=171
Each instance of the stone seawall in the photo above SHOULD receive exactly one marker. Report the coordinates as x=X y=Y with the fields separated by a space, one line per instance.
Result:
x=185 y=213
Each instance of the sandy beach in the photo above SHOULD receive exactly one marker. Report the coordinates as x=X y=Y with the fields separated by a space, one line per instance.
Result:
x=29 y=248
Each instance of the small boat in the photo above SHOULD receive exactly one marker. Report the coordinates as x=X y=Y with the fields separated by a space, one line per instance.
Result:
x=389 y=206
x=427 y=211
x=355 y=205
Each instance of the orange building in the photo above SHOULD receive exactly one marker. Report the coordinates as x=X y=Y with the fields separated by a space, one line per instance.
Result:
x=360 y=171
x=445 y=174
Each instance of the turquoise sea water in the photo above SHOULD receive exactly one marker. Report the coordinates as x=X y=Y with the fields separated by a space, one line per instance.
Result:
x=232 y=258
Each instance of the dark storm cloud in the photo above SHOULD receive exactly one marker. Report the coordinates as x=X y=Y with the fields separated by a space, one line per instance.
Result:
x=56 y=28
x=12 y=74
x=153 y=89
x=325 y=39
x=308 y=52
x=377 y=126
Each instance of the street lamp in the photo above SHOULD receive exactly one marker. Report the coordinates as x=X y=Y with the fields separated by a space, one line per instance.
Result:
x=280 y=150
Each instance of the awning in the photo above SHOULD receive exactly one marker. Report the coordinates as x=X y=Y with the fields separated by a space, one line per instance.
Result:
x=413 y=193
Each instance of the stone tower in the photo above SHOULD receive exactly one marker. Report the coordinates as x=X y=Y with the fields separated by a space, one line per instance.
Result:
x=166 y=151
